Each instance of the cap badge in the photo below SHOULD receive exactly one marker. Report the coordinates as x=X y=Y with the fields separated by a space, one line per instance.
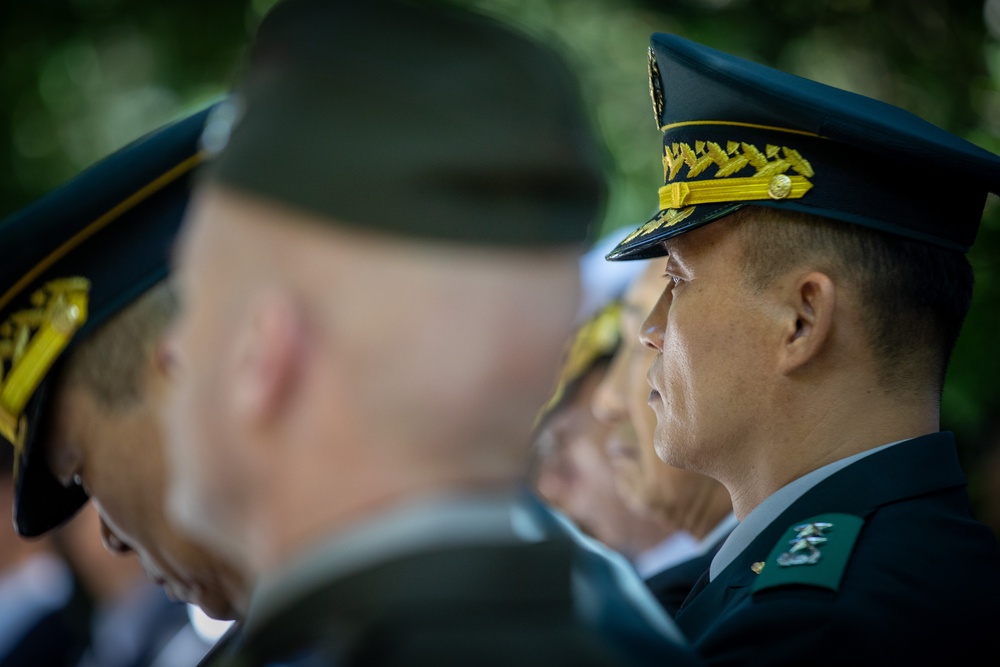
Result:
x=804 y=546
x=655 y=87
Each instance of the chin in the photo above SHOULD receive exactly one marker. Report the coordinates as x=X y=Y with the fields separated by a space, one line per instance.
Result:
x=665 y=444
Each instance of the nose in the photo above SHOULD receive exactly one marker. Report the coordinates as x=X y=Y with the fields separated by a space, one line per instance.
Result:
x=112 y=542
x=609 y=404
x=651 y=331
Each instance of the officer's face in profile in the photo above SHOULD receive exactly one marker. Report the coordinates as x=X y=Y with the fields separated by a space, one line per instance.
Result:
x=620 y=400
x=649 y=484
x=709 y=333
x=117 y=454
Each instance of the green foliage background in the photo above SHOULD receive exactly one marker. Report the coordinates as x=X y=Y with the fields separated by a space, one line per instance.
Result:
x=80 y=78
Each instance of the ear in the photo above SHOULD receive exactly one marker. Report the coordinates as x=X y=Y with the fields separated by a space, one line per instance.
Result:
x=810 y=304
x=267 y=355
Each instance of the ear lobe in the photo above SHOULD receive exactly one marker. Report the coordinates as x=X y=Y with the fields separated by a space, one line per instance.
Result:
x=812 y=302
x=267 y=357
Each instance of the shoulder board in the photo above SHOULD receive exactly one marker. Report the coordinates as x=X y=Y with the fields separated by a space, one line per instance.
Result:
x=812 y=552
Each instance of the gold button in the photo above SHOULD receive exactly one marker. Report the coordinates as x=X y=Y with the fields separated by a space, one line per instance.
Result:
x=66 y=318
x=780 y=187
x=757 y=567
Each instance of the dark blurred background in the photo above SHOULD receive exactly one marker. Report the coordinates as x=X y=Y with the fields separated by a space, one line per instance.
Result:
x=80 y=78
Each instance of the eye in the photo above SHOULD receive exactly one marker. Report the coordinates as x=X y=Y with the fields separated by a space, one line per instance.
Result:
x=675 y=280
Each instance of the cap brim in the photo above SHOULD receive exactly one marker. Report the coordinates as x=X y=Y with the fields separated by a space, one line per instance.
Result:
x=41 y=502
x=647 y=241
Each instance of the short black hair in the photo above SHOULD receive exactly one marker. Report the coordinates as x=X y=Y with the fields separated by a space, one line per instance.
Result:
x=914 y=296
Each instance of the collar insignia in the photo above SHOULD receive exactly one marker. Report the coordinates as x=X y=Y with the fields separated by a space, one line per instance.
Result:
x=805 y=546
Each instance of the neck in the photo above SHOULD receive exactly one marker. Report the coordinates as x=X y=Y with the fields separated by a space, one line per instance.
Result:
x=808 y=435
x=295 y=523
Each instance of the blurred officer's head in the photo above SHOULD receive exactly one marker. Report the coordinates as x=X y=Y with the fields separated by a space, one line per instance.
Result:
x=379 y=270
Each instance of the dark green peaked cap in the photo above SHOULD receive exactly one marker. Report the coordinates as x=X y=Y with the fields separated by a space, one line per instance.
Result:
x=417 y=119
x=72 y=260
x=737 y=133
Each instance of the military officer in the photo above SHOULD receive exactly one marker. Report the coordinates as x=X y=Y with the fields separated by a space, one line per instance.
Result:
x=84 y=304
x=814 y=249
x=376 y=277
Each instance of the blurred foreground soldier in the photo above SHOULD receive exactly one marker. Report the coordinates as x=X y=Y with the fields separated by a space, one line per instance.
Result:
x=377 y=277
x=814 y=245
x=696 y=506
x=83 y=304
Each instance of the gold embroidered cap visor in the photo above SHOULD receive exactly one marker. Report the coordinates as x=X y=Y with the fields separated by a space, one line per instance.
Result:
x=72 y=260
x=736 y=133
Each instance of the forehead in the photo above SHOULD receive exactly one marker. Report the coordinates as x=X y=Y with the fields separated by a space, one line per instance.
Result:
x=715 y=238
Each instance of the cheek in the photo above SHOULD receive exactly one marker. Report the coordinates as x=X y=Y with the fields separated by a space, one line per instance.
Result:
x=699 y=346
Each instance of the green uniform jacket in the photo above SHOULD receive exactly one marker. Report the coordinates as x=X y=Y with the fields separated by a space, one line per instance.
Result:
x=907 y=575
x=471 y=605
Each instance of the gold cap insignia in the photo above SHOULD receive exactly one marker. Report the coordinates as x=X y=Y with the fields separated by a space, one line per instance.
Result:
x=30 y=342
